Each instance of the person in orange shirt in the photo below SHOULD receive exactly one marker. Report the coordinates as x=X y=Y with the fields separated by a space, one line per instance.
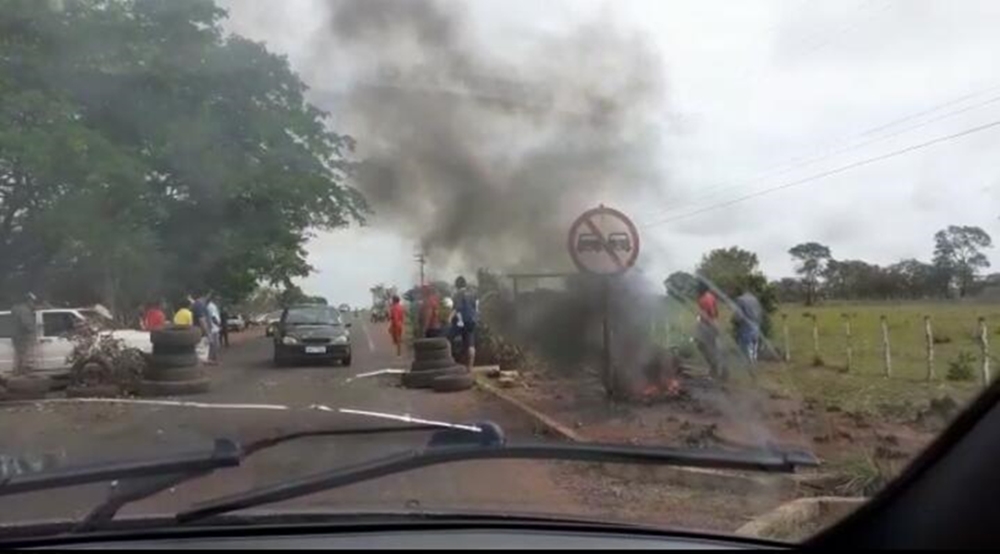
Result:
x=396 y=318
x=153 y=319
x=707 y=332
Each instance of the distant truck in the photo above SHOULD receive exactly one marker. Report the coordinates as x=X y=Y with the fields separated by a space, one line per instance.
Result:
x=54 y=329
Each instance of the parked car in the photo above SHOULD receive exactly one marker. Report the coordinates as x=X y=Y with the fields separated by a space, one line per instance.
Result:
x=344 y=308
x=312 y=332
x=236 y=323
x=54 y=329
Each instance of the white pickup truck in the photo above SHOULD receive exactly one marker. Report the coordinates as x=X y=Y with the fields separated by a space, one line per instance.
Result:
x=53 y=342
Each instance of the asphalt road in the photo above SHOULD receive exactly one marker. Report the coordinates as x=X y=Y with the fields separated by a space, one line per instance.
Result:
x=74 y=433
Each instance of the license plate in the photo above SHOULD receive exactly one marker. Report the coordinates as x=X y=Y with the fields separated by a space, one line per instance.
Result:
x=315 y=350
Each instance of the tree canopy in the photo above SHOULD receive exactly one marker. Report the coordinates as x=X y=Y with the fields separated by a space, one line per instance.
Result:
x=811 y=258
x=145 y=152
x=958 y=255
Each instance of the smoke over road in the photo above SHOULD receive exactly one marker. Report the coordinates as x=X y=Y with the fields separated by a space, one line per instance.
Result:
x=486 y=150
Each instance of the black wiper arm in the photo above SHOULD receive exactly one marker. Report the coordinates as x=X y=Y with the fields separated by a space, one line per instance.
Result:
x=433 y=454
x=144 y=486
x=225 y=453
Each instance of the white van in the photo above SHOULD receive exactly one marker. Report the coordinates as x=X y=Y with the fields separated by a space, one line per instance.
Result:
x=53 y=345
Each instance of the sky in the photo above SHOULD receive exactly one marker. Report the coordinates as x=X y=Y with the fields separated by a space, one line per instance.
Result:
x=782 y=122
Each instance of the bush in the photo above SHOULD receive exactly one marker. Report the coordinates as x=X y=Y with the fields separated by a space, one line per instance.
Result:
x=103 y=360
x=961 y=368
x=685 y=351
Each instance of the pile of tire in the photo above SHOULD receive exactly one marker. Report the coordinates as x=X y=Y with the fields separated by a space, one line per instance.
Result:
x=434 y=368
x=173 y=368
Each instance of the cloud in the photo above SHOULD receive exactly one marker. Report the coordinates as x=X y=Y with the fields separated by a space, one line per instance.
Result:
x=752 y=86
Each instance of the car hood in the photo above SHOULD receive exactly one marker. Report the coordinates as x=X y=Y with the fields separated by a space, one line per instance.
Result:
x=315 y=331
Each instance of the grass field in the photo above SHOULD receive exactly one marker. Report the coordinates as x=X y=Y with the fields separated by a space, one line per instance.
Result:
x=865 y=388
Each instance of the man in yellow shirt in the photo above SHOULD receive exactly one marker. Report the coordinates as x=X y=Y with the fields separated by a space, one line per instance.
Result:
x=183 y=317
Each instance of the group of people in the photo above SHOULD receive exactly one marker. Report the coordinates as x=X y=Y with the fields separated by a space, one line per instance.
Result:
x=200 y=311
x=459 y=325
x=748 y=315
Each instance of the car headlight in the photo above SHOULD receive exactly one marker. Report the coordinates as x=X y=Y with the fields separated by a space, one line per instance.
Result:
x=342 y=339
x=289 y=340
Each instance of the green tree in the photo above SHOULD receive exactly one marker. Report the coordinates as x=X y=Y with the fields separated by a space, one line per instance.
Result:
x=143 y=151
x=811 y=258
x=958 y=255
x=728 y=268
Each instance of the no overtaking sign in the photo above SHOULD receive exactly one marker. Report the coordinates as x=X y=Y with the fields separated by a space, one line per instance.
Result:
x=603 y=241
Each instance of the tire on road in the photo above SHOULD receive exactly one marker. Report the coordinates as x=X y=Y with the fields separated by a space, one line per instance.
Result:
x=173 y=388
x=171 y=349
x=425 y=379
x=170 y=361
x=173 y=375
x=428 y=345
x=434 y=356
x=419 y=366
x=93 y=391
x=184 y=336
x=453 y=383
x=28 y=386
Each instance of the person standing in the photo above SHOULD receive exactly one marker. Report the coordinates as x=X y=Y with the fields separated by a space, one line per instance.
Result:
x=396 y=318
x=707 y=333
x=24 y=332
x=199 y=312
x=183 y=317
x=747 y=321
x=465 y=318
x=224 y=328
x=153 y=319
x=214 y=322
x=429 y=313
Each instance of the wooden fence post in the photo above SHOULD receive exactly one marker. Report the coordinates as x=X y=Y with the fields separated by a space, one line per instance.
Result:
x=816 y=357
x=788 y=344
x=847 y=343
x=984 y=346
x=929 y=334
x=886 y=350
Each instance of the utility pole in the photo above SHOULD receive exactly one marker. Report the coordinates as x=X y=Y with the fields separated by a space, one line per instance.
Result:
x=422 y=260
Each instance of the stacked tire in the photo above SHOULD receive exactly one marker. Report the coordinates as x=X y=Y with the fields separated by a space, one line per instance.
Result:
x=173 y=368
x=434 y=368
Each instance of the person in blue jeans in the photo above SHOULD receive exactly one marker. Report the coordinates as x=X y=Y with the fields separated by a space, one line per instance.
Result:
x=747 y=319
x=464 y=317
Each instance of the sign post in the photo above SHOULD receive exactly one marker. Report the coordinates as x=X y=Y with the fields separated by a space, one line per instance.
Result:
x=604 y=241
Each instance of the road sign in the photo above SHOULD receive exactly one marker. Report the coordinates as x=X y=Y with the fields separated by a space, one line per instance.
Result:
x=603 y=241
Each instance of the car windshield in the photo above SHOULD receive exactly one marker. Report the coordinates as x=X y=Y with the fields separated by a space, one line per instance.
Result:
x=711 y=226
x=313 y=316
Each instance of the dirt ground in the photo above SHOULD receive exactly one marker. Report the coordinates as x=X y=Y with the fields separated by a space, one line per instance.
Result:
x=861 y=450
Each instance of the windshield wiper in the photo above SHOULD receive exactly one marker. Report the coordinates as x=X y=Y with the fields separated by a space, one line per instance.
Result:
x=225 y=453
x=455 y=445
x=148 y=484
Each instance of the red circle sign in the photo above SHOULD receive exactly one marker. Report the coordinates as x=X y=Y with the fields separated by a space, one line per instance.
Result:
x=603 y=241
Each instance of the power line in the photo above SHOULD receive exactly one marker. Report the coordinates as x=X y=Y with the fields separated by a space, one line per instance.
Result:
x=801 y=162
x=835 y=171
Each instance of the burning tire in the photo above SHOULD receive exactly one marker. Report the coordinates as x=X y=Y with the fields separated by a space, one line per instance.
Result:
x=174 y=375
x=177 y=336
x=170 y=361
x=421 y=346
x=453 y=383
x=425 y=379
x=173 y=388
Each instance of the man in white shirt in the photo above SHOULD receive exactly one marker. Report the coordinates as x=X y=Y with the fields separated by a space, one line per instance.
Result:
x=214 y=328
